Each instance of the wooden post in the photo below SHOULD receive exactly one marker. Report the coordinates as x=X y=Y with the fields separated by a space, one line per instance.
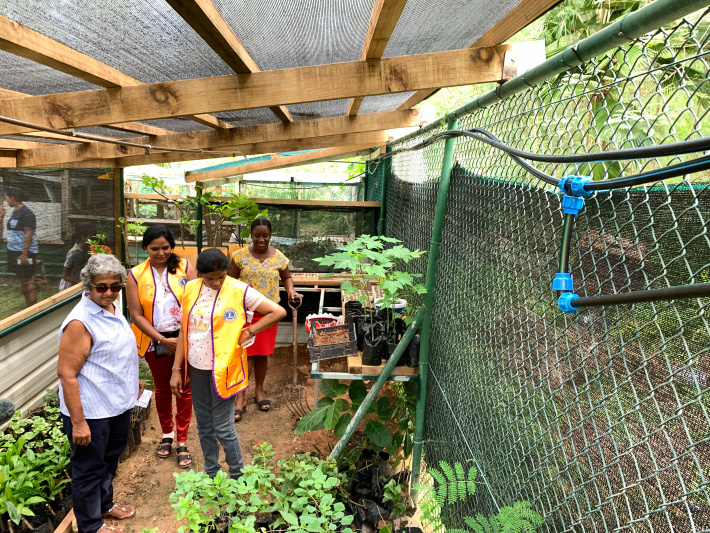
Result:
x=66 y=204
x=117 y=199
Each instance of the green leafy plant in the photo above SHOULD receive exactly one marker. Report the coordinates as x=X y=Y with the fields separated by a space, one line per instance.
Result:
x=340 y=402
x=240 y=210
x=304 y=495
x=393 y=493
x=97 y=246
x=456 y=484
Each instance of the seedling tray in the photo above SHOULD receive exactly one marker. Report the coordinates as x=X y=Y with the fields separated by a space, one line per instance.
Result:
x=332 y=342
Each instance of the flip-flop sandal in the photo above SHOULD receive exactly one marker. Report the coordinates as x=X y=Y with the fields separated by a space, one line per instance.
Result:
x=183 y=455
x=262 y=404
x=166 y=445
x=238 y=414
x=109 y=529
x=120 y=512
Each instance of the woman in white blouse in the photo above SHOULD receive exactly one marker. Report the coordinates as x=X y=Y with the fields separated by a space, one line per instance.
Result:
x=153 y=293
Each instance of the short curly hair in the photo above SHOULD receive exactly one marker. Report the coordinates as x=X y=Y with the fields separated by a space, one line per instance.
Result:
x=100 y=265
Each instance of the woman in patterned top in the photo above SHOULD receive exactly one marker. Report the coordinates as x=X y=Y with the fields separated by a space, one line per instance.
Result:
x=261 y=266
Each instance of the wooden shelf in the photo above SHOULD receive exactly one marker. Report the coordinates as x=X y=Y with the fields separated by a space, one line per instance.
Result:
x=355 y=366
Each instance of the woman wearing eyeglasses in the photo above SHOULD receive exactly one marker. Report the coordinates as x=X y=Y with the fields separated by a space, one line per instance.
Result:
x=98 y=387
x=153 y=294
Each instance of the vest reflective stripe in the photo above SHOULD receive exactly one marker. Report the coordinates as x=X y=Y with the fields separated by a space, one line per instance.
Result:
x=145 y=281
x=229 y=359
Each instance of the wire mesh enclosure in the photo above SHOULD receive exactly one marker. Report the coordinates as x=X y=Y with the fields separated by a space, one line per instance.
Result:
x=57 y=211
x=599 y=418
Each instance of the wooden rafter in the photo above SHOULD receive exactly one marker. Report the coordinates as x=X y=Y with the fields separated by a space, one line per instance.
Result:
x=209 y=24
x=22 y=41
x=308 y=143
x=217 y=140
x=13 y=144
x=317 y=156
x=133 y=127
x=520 y=16
x=259 y=89
x=383 y=21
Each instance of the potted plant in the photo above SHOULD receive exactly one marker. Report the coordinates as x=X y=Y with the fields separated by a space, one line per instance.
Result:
x=368 y=260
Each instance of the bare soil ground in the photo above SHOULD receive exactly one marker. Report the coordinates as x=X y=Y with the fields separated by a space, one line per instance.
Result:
x=146 y=481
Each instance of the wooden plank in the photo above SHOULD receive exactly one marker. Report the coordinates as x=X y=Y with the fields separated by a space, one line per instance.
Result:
x=209 y=24
x=259 y=89
x=515 y=20
x=12 y=144
x=137 y=127
x=281 y=162
x=66 y=525
x=314 y=203
x=217 y=140
x=6 y=94
x=383 y=20
x=210 y=122
x=149 y=196
x=133 y=127
x=355 y=366
x=22 y=41
x=8 y=159
x=40 y=306
x=361 y=140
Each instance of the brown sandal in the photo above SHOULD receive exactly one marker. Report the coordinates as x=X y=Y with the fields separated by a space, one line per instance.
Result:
x=109 y=529
x=120 y=512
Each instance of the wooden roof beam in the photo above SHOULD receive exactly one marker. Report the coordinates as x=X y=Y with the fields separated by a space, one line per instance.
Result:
x=22 y=41
x=309 y=158
x=259 y=89
x=209 y=24
x=213 y=140
x=383 y=21
x=311 y=143
x=519 y=17
x=133 y=127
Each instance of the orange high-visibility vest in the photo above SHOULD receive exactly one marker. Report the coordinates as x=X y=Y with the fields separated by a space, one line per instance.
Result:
x=145 y=281
x=229 y=359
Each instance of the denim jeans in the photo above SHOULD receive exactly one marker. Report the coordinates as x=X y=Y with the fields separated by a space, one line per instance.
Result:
x=93 y=468
x=215 y=422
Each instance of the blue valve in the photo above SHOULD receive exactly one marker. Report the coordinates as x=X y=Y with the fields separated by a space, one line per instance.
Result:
x=563 y=282
x=565 y=302
x=576 y=185
x=572 y=205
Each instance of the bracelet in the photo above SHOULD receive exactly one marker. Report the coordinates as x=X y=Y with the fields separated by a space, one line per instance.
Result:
x=161 y=338
x=177 y=368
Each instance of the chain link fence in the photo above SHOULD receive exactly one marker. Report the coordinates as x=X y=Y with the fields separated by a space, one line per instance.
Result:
x=599 y=418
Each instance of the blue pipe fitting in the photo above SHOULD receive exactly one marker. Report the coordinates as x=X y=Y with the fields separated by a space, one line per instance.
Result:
x=563 y=282
x=565 y=302
x=572 y=205
x=576 y=185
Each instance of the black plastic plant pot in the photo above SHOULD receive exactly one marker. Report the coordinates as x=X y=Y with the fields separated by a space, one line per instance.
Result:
x=413 y=351
x=372 y=349
x=363 y=491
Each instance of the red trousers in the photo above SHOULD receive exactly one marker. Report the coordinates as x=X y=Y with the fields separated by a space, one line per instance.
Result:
x=162 y=369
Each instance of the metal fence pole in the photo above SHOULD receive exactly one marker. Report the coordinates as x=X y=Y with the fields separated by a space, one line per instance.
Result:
x=383 y=199
x=436 y=233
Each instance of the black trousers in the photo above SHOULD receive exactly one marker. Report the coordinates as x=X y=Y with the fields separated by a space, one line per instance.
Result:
x=93 y=468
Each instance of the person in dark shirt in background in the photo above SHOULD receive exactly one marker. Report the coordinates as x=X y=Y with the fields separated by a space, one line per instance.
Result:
x=77 y=257
x=22 y=243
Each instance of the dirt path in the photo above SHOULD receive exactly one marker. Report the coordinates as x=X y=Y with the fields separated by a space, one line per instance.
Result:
x=146 y=481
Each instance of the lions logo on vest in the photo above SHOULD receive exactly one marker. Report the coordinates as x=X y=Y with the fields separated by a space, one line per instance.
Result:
x=230 y=314
x=183 y=282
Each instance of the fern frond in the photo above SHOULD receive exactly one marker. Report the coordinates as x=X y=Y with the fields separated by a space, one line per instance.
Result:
x=438 y=476
x=441 y=493
x=448 y=470
x=472 y=473
x=479 y=524
x=459 y=471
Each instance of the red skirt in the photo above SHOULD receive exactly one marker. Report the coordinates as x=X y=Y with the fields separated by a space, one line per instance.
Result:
x=265 y=341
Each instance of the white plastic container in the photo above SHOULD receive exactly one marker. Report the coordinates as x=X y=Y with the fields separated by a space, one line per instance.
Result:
x=399 y=305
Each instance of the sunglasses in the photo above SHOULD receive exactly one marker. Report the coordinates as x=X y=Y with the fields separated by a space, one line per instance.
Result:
x=103 y=288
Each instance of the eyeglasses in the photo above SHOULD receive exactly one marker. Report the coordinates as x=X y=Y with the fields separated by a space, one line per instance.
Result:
x=103 y=288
